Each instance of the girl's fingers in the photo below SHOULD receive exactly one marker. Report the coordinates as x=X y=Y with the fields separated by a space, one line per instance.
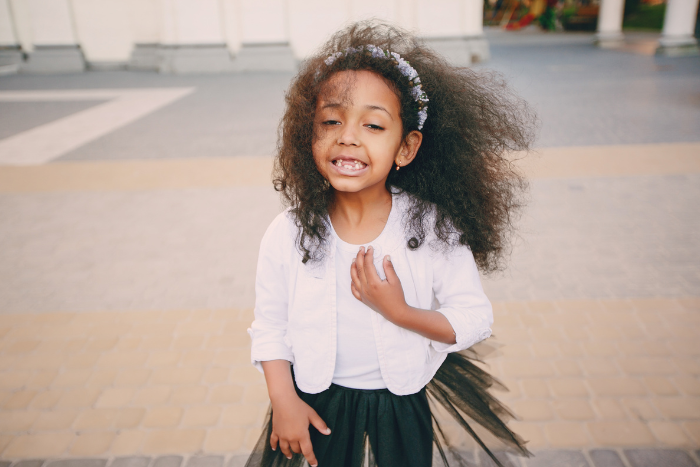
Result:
x=318 y=423
x=371 y=272
x=360 y=265
x=273 y=441
x=355 y=283
x=389 y=271
x=353 y=274
x=308 y=452
x=284 y=447
x=295 y=447
x=355 y=293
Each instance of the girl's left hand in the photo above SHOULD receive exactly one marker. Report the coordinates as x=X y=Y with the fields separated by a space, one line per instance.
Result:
x=383 y=296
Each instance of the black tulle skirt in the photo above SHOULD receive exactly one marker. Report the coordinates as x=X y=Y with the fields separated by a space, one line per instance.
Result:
x=446 y=423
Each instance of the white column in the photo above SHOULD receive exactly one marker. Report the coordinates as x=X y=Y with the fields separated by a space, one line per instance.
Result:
x=145 y=26
x=610 y=22
x=679 y=26
x=22 y=23
x=263 y=36
x=474 y=30
x=192 y=37
x=103 y=31
x=56 y=47
x=7 y=29
x=454 y=28
x=10 y=53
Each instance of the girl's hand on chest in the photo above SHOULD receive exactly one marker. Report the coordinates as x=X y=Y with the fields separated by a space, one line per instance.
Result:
x=383 y=296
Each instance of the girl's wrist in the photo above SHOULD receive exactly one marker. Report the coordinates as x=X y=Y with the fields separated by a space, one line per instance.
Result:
x=402 y=318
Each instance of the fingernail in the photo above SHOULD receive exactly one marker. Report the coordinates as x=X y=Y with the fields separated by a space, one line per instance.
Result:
x=353 y=260
x=274 y=449
x=388 y=258
x=328 y=431
x=289 y=457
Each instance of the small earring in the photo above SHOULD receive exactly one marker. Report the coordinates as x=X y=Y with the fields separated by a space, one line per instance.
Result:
x=398 y=166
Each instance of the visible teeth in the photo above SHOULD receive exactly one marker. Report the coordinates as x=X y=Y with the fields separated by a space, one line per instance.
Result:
x=352 y=165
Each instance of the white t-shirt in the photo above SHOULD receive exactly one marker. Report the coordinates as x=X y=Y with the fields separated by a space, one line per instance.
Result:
x=356 y=361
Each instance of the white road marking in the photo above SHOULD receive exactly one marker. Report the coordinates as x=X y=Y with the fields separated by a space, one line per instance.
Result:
x=52 y=140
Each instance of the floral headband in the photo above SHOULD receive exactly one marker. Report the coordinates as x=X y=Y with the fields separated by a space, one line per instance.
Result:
x=404 y=68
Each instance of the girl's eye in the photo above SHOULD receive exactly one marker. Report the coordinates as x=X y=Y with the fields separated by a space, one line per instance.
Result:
x=331 y=122
x=374 y=127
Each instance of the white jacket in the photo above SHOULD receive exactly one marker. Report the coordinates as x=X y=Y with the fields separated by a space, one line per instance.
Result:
x=295 y=307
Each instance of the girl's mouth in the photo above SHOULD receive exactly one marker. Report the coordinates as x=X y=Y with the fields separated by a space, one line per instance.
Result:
x=349 y=164
x=349 y=167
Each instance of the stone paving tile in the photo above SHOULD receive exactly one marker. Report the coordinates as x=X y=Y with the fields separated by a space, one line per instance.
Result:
x=659 y=457
x=563 y=458
x=29 y=463
x=508 y=460
x=167 y=461
x=542 y=458
x=16 y=117
x=77 y=463
x=205 y=461
x=131 y=461
x=237 y=461
x=605 y=458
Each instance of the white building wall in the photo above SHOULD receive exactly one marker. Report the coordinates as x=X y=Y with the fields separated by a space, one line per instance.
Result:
x=263 y=21
x=441 y=18
x=311 y=22
x=386 y=10
x=108 y=31
x=192 y=22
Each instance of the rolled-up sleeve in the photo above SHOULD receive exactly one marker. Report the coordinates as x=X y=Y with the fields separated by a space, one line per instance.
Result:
x=269 y=328
x=461 y=298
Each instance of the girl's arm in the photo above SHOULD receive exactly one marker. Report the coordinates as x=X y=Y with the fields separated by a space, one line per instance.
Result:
x=465 y=314
x=291 y=416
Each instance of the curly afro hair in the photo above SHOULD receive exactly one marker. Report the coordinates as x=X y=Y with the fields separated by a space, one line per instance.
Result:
x=464 y=186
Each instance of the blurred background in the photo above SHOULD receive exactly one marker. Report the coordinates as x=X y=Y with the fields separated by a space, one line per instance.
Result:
x=136 y=144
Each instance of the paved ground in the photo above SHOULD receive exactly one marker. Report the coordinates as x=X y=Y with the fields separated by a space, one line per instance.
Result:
x=127 y=263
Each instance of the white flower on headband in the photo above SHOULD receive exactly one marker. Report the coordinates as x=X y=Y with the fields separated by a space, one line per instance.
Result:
x=404 y=68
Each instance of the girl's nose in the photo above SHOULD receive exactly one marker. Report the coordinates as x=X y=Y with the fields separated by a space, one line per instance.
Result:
x=348 y=137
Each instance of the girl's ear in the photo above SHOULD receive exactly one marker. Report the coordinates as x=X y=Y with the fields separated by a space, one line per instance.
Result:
x=409 y=148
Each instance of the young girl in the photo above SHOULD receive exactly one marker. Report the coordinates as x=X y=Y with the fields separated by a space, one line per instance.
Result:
x=392 y=162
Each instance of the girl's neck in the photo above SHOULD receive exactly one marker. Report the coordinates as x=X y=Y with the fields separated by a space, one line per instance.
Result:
x=360 y=217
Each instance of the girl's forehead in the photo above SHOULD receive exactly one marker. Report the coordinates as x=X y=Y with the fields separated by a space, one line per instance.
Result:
x=348 y=86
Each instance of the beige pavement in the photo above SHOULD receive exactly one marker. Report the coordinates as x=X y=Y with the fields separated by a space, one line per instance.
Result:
x=160 y=174
x=585 y=373
x=96 y=382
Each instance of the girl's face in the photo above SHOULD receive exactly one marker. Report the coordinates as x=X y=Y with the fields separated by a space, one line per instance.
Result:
x=358 y=132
